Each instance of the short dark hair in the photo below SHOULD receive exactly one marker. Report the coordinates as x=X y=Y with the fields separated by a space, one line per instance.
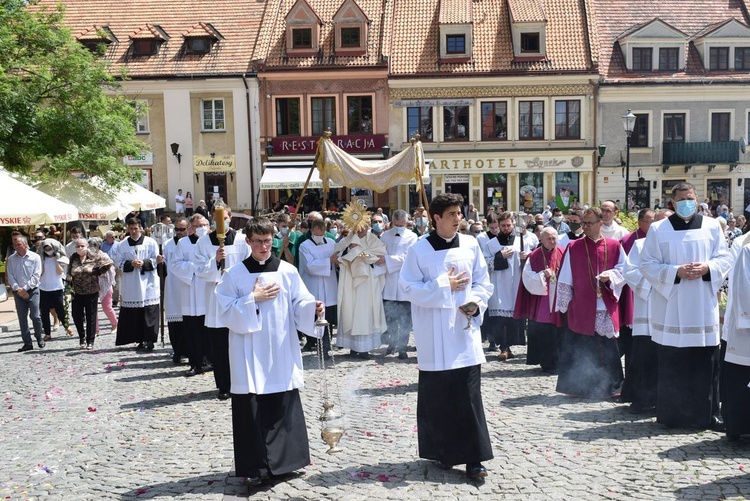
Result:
x=557 y=209
x=682 y=186
x=132 y=221
x=504 y=215
x=492 y=217
x=318 y=223
x=595 y=211
x=443 y=202
x=258 y=226
x=643 y=212
x=578 y=213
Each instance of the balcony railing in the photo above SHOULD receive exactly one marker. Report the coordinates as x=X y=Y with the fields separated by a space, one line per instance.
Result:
x=726 y=152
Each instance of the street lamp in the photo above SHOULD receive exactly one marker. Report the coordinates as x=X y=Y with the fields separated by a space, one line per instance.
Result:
x=628 y=121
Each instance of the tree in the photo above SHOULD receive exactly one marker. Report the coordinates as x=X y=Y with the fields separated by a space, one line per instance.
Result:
x=60 y=109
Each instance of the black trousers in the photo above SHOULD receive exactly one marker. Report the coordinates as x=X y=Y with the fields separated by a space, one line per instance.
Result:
x=505 y=332
x=196 y=341
x=84 y=308
x=49 y=300
x=219 y=340
x=177 y=338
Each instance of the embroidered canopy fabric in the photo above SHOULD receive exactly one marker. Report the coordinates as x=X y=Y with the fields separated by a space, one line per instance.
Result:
x=343 y=169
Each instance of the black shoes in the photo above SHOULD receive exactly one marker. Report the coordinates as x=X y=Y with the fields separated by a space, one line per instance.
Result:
x=390 y=350
x=360 y=354
x=402 y=355
x=492 y=347
x=140 y=347
x=193 y=371
x=256 y=481
x=41 y=343
x=223 y=395
x=475 y=471
x=717 y=424
x=26 y=347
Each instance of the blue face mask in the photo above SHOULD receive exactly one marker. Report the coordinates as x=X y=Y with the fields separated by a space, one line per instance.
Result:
x=685 y=208
x=399 y=230
x=422 y=221
x=284 y=231
x=377 y=227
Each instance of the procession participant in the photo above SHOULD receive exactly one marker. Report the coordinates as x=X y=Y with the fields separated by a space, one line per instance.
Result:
x=137 y=257
x=504 y=253
x=556 y=222
x=210 y=260
x=735 y=368
x=360 y=296
x=685 y=258
x=610 y=228
x=317 y=267
x=75 y=234
x=445 y=278
x=283 y=240
x=84 y=271
x=52 y=285
x=641 y=366
x=176 y=294
x=23 y=273
x=589 y=363
x=397 y=310
x=193 y=293
x=305 y=235
x=576 y=230
x=106 y=280
x=536 y=294
x=263 y=301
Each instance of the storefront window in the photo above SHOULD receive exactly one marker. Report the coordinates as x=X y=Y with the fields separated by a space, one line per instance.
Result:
x=365 y=195
x=532 y=192
x=496 y=195
x=567 y=192
x=666 y=190
x=719 y=192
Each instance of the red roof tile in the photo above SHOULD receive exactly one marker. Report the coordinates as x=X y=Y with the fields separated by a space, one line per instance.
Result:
x=455 y=12
x=526 y=11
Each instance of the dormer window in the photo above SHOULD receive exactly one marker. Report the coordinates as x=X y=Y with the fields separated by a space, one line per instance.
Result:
x=742 y=58
x=642 y=58
x=199 y=39
x=144 y=47
x=724 y=46
x=97 y=39
x=198 y=45
x=456 y=25
x=530 y=43
x=302 y=30
x=640 y=44
x=146 y=41
x=455 y=44
x=528 y=24
x=719 y=58
x=351 y=28
x=350 y=37
x=669 y=58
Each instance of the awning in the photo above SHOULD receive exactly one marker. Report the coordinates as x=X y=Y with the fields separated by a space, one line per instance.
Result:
x=133 y=194
x=92 y=203
x=292 y=175
x=22 y=205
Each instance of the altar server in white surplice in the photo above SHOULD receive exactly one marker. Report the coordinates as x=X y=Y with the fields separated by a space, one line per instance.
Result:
x=445 y=278
x=175 y=294
x=211 y=259
x=685 y=258
x=318 y=271
x=263 y=301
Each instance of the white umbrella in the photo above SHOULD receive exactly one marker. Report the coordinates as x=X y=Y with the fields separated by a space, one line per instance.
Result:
x=93 y=204
x=135 y=195
x=22 y=205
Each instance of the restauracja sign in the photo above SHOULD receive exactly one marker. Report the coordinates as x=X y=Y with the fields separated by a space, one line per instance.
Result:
x=308 y=145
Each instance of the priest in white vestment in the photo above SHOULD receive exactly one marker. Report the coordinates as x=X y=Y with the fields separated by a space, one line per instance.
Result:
x=263 y=302
x=175 y=294
x=445 y=278
x=685 y=258
x=610 y=228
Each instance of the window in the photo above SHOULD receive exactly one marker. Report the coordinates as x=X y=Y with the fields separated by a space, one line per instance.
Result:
x=456 y=123
x=674 y=127
x=742 y=58
x=359 y=114
x=288 y=117
x=213 y=114
x=719 y=58
x=530 y=42
x=350 y=37
x=494 y=121
x=531 y=119
x=419 y=121
x=198 y=45
x=668 y=59
x=568 y=119
x=639 y=139
x=323 y=115
x=720 y=127
x=642 y=59
x=141 y=121
x=302 y=38
x=144 y=47
x=455 y=44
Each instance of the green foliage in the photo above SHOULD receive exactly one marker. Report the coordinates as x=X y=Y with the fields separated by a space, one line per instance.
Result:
x=59 y=104
x=629 y=220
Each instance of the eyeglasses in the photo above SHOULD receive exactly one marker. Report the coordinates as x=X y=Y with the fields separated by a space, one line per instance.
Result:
x=589 y=223
x=266 y=242
x=179 y=229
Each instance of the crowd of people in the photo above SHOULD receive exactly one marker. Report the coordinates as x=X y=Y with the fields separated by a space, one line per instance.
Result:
x=583 y=293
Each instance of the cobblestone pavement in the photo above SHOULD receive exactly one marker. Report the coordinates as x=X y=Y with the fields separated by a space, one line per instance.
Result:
x=115 y=424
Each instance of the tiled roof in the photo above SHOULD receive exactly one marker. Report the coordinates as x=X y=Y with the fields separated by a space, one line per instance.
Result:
x=416 y=29
x=202 y=30
x=692 y=17
x=526 y=11
x=710 y=29
x=237 y=21
x=455 y=12
x=270 y=51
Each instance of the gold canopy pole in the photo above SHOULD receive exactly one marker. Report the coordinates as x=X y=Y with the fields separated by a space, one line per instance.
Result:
x=420 y=167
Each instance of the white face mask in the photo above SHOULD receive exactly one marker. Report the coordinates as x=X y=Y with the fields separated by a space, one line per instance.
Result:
x=399 y=230
x=334 y=231
x=284 y=230
x=318 y=239
x=557 y=219
x=201 y=231
x=50 y=253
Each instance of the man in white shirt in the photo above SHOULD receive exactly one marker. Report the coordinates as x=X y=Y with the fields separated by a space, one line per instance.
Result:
x=179 y=203
x=23 y=273
x=610 y=228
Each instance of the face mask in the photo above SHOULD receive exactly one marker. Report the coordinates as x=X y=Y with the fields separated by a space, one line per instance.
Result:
x=201 y=231
x=574 y=226
x=686 y=208
x=377 y=227
x=284 y=231
x=318 y=239
x=50 y=253
x=422 y=221
x=477 y=233
x=557 y=219
x=334 y=231
x=398 y=230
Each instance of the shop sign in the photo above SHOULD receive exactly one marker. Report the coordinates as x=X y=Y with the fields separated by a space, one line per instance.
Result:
x=214 y=164
x=139 y=159
x=416 y=103
x=371 y=143
x=456 y=178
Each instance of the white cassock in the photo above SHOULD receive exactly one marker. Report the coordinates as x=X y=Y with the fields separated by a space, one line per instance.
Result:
x=684 y=314
x=209 y=272
x=183 y=267
x=264 y=351
x=737 y=317
x=615 y=231
x=440 y=333
x=174 y=292
x=396 y=248
x=503 y=300
x=360 y=295
x=139 y=289
x=317 y=271
x=641 y=289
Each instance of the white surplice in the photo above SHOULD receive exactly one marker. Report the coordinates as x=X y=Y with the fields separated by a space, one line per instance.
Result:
x=138 y=288
x=175 y=294
x=183 y=268
x=503 y=300
x=207 y=270
x=737 y=317
x=615 y=231
x=440 y=333
x=264 y=351
x=684 y=314
x=641 y=290
x=317 y=271
x=396 y=248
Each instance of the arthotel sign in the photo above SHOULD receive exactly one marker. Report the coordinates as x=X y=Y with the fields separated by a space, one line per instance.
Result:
x=371 y=143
